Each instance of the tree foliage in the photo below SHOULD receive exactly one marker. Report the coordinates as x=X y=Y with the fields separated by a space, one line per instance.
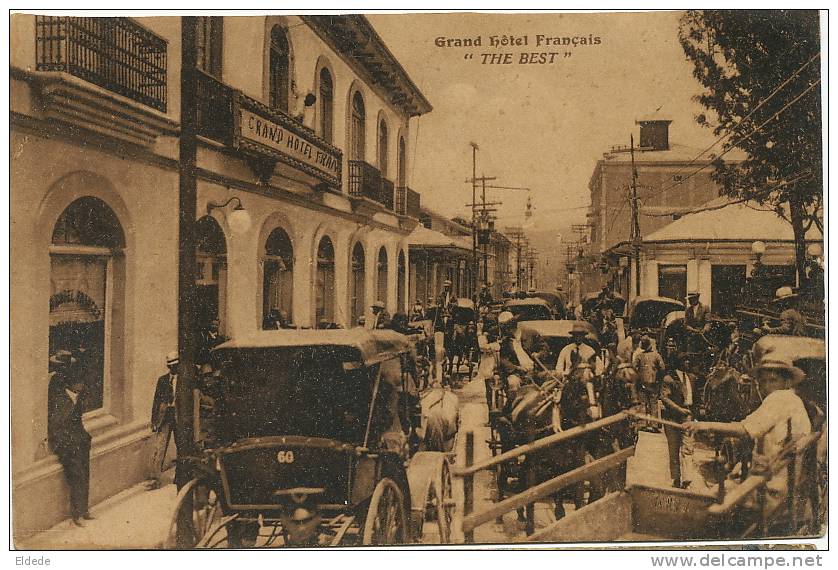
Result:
x=740 y=58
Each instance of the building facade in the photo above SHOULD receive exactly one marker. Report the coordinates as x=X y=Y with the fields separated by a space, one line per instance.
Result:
x=303 y=124
x=671 y=178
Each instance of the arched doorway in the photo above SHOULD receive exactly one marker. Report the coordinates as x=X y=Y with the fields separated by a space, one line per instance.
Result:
x=400 y=284
x=325 y=282
x=211 y=273
x=381 y=276
x=277 y=280
x=357 y=286
x=87 y=284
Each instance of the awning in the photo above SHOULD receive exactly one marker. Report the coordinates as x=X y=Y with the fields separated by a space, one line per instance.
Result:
x=423 y=237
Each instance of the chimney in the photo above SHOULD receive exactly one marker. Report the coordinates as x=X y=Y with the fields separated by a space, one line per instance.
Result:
x=654 y=133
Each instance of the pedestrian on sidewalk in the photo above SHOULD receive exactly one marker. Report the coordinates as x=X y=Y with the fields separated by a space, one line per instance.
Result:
x=649 y=366
x=676 y=397
x=66 y=435
x=163 y=418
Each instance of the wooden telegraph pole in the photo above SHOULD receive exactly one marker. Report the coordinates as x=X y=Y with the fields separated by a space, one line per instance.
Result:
x=635 y=223
x=187 y=209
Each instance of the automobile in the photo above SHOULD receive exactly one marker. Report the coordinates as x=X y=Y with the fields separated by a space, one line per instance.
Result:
x=312 y=449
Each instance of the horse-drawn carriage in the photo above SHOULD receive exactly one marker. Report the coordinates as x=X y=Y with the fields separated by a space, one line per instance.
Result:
x=557 y=304
x=646 y=314
x=530 y=309
x=548 y=403
x=591 y=300
x=312 y=447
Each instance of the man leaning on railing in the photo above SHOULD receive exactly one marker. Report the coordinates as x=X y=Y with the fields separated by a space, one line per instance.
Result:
x=781 y=414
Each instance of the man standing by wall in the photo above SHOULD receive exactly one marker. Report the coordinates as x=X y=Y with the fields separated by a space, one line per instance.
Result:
x=163 y=418
x=67 y=437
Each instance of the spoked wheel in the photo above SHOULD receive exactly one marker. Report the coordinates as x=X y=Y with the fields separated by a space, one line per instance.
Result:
x=200 y=523
x=386 y=523
x=444 y=504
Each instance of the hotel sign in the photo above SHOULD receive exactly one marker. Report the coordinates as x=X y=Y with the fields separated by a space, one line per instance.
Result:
x=269 y=133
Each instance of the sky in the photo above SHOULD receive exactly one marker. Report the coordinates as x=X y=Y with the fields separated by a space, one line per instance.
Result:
x=538 y=126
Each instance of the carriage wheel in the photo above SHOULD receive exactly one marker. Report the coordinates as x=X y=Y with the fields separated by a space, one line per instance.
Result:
x=386 y=522
x=444 y=503
x=204 y=518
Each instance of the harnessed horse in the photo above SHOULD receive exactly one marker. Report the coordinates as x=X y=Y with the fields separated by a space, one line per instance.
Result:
x=441 y=420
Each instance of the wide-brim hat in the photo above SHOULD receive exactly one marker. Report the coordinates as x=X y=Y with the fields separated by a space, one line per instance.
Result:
x=693 y=293
x=172 y=358
x=378 y=305
x=578 y=329
x=62 y=358
x=447 y=283
x=505 y=317
x=796 y=375
x=785 y=292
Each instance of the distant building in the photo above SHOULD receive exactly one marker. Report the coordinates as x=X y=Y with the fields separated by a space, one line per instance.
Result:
x=670 y=178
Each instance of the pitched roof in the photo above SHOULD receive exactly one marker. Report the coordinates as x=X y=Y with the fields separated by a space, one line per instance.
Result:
x=424 y=237
x=731 y=222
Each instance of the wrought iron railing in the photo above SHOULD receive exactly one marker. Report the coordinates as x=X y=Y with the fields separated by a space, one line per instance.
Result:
x=114 y=53
x=408 y=202
x=387 y=193
x=214 y=101
x=364 y=180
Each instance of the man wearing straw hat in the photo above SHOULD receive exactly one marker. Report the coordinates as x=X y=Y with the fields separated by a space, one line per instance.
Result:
x=791 y=321
x=163 y=419
x=781 y=415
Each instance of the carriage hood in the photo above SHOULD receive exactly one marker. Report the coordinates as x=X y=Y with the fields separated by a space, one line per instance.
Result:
x=791 y=348
x=529 y=330
x=350 y=345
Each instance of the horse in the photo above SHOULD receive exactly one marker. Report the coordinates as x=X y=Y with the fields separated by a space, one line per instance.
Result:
x=728 y=397
x=538 y=411
x=460 y=344
x=617 y=394
x=440 y=419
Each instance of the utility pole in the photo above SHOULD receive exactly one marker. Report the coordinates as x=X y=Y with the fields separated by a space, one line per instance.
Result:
x=635 y=223
x=474 y=266
x=517 y=234
x=186 y=323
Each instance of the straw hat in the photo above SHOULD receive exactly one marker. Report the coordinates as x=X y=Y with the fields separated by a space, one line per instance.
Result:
x=785 y=292
x=774 y=362
x=172 y=358
x=578 y=330
x=505 y=318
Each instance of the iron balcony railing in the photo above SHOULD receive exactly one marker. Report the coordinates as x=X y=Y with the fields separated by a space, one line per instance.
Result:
x=387 y=193
x=214 y=102
x=408 y=202
x=364 y=181
x=114 y=53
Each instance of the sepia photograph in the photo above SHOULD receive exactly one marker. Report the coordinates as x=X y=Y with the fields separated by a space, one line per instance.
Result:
x=440 y=280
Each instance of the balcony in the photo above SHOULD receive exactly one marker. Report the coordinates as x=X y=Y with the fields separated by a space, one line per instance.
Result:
x=387 y=193
x=214 y=101
x=116 y=54
x=408 y=202
x=365 y=181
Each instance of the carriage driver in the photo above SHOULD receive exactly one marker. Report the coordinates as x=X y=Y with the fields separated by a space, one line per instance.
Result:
x=776 y=378
x=509 y=365
x=695 y=321
x=577 y=352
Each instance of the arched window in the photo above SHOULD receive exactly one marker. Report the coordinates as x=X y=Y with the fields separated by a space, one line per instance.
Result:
x=383 y=141
x=357 y=143
x=278 y=279
x=211 y=278
x=87 y=284
x=279 y=69
x=358 y=276
x=209 y=43
x=400 y=285
x=325 y=282
x=382 y=276
x=327 y=97
x=402 y=178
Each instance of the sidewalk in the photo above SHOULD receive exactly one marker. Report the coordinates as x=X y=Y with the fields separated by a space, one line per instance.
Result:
x=134 y=519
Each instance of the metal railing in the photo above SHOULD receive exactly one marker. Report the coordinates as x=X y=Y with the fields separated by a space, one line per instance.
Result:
x=114 y=53
x=387 y=193
x=408 y=202
x=364 y=180
x=215 y=107
x=528 y=498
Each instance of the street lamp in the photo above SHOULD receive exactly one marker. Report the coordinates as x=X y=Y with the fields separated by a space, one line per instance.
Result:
x=238 y=220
